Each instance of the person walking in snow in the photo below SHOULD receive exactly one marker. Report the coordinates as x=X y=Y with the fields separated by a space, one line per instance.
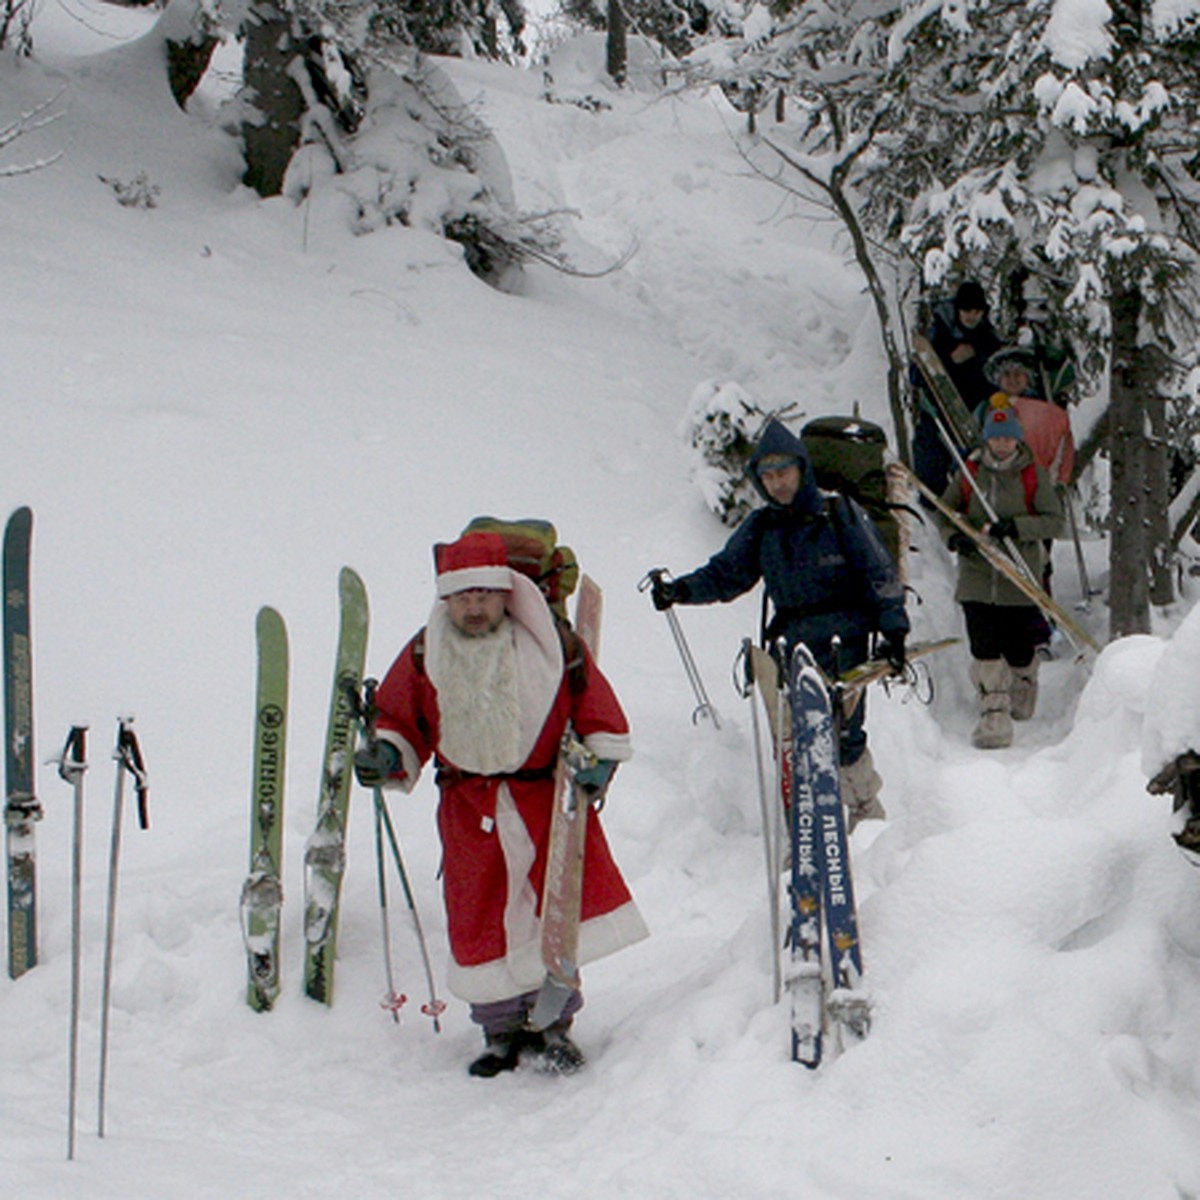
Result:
x=1004 y=626
x=962 y=335
x=487 y=689
x=1048 y=435
x=829 y=577
x=1046 y=424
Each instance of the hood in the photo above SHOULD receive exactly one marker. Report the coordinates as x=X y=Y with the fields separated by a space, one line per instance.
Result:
x=778 y=439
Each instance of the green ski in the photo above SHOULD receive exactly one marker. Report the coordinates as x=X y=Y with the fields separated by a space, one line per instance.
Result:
x=325 y=852
x=21 y=807
x=262 y=893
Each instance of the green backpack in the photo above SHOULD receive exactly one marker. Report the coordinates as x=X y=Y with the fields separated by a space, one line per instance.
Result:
x=847 y=456
x=533 y=550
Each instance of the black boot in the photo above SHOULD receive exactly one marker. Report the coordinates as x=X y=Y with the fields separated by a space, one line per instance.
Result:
x=560 y=1055
x=503 y=1052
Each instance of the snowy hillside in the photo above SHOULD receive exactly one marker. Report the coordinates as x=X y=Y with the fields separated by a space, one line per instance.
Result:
x=214 y=403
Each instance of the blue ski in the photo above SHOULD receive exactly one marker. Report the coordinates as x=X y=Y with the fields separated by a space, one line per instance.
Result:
x=821 y=842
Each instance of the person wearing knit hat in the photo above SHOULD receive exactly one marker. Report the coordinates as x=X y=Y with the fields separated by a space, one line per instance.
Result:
x=1022 y=510
x=961 y=334
x=1047 y=425
x=487 y=689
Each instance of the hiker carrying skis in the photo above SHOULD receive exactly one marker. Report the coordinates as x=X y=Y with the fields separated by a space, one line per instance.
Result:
x=828 y=576
x=962 y=335
x=1004 y=626
x=488 y=687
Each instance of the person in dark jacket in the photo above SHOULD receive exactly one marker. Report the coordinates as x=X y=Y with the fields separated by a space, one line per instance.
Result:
x=830 y=579
x=963 y=336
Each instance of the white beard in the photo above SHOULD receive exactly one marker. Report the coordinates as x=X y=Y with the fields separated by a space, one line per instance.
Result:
x=478 y=705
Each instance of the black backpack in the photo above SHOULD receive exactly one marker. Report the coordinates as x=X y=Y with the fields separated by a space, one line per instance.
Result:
x=847 y=456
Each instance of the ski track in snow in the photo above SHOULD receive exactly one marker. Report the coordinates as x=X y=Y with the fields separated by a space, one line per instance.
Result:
x=217 y=403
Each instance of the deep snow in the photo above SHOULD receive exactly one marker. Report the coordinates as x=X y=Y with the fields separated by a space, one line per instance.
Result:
x=215 y=403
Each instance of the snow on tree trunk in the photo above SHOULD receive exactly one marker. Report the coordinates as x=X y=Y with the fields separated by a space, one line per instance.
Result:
x=1129 y=591
x=271 y=52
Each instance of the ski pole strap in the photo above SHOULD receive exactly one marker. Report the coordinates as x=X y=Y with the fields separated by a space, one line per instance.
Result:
x=73 y=761
x=129 y=755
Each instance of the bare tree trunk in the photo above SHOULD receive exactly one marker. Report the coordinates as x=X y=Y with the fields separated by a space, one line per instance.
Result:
x=617 y=43
x=1158 y=504
x=270 y=142
x=1129 y=558
x=186 y=64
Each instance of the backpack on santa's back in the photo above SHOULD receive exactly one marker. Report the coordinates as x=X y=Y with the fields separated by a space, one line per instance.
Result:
x=847 y=456
x=533 y=549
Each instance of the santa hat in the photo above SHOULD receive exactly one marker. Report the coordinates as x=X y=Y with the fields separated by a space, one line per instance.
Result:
x=476 y=560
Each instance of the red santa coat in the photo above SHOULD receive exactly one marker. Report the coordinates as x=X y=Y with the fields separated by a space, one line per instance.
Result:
x=495 y=828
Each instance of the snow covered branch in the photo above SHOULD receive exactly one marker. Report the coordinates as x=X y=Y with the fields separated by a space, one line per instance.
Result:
x=36 y=118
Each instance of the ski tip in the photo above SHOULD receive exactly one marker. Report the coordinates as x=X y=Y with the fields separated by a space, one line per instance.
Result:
x=20 y=521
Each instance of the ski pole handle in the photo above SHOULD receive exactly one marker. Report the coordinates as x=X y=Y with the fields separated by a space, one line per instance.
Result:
x=129 y=758
x=72 y=762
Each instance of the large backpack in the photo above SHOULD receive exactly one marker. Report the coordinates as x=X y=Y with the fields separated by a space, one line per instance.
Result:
x=847 y=456
x=533 y=549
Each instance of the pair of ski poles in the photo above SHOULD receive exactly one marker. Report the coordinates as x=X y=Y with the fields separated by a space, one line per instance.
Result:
x=363 y=706
x=72 y=763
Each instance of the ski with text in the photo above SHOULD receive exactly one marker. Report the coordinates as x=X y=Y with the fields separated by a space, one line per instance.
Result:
x=822 y=888
x=21 y=807
x=262 y=893
x=325 y=851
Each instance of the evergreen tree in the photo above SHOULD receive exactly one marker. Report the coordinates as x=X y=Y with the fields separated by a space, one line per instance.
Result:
x=1072 y=152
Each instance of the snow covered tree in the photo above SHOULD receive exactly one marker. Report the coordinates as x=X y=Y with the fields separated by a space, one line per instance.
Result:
x=1067 y=145
x=826 y=67
x=722 y=426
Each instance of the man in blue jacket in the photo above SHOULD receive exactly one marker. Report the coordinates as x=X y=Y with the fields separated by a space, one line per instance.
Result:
x=828 y=576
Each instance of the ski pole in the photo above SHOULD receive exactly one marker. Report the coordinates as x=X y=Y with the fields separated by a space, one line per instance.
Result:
x=704 y=706
x=393 y=1001
x=435 y=1007
x=71 y=765
x=363 y=706
x=128 y=756
x=768 y=816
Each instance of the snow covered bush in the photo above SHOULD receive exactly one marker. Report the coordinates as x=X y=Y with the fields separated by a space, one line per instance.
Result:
x=722 y=425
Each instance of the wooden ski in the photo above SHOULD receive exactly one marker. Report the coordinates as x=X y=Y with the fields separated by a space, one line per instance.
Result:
x=1001 y=562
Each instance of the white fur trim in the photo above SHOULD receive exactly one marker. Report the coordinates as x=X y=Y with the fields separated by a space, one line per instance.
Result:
x=615 y=746
x=522 y=970
x=497 y=578
x=409 y=761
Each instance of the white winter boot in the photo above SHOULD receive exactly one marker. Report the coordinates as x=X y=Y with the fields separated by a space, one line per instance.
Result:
x=1024 y=690
x=992 y=678
x=860 y=790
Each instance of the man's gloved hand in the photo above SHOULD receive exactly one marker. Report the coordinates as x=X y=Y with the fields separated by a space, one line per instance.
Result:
x=893 y=651
x=595 y=779
x=959 y=543
x=665 y=592
x=1006 y=527
x=375 y=764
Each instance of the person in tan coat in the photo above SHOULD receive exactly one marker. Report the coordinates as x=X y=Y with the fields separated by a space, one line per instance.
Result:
x=1003 y=624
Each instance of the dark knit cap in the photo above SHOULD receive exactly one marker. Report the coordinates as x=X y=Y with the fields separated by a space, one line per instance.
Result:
x=970 y=295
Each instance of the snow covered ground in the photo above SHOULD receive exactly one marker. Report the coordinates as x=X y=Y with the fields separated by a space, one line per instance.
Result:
x=216 y=402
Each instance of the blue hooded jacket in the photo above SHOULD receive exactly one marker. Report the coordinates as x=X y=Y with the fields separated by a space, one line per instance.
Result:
x=825 y=569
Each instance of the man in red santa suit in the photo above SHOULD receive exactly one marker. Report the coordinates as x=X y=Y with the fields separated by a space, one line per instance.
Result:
x=486 y=689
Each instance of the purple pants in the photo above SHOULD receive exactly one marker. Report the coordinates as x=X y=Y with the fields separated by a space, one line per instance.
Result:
x=507 y=1016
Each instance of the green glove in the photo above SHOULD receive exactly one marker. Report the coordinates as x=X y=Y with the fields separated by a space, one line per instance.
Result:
x=595 y=779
